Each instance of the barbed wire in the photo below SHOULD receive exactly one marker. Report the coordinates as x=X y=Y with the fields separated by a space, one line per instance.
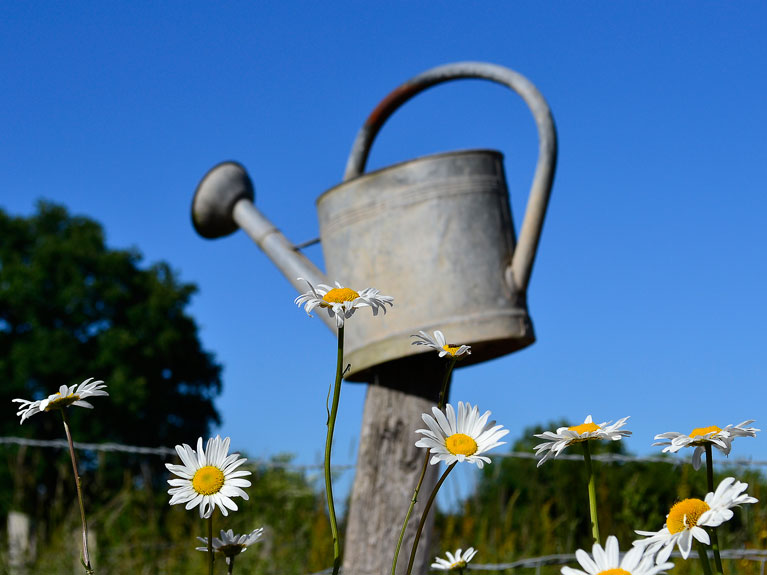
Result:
x=61 y=444
x=171 y=452
x=620 y=458
x=162 y=451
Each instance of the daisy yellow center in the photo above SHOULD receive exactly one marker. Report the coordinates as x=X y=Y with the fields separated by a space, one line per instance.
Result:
x=62 y=401
x=340 y=295
x=461 y=444
x=584 y=428
x=458 y=565
x=451 y=349
x=685 y=514
x=232 y=549
x=704 y=430
x=208 y=480
x=616 y=571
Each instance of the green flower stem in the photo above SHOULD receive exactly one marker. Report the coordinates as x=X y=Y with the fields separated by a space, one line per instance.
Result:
x=443 y=391
x=211 y=559
x=85 y=559
x=414 y=499
x=425 y=514
x=712 y=530
x=410 y=510
x=703 y=555
x=328 y=445
x=230 y=570
x=592 y=493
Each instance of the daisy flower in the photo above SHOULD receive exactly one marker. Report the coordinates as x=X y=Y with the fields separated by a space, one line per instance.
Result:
x=462 y=438
x=64 y=397
x=230 y=544
x=208 y=477
x=701 y=436
x=438 y=344
x=588 y=430
x=341 y=302
x=607 y=561
x=687 y=519
x=454 y=562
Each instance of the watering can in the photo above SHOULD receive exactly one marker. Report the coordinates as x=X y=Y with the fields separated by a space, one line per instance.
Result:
x=436 y=233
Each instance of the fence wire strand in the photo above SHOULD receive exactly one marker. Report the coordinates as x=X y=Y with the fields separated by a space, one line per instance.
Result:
x=171 y=452
x=161 y=451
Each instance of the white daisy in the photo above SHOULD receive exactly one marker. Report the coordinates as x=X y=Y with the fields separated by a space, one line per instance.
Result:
x=64 y=397
x=454 y=562
x=438 y=343
x=565 y=436
x=687 y=519
x=341 y=302
x=208 y=477
x=607 y=561
x=462 y=438
x=700 y=436
x=230 y=544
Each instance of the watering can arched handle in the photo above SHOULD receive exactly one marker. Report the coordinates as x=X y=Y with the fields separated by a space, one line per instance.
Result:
x=527 y=243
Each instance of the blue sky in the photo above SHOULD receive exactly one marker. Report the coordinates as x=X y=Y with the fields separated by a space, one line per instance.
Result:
x=648 y=290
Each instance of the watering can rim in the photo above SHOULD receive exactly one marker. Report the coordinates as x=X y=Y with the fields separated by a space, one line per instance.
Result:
x=390 y=167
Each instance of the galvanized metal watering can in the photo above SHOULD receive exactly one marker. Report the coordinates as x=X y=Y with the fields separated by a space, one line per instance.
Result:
x=435 y=232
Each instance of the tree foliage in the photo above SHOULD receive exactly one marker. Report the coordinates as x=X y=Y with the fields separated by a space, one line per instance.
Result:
x=72 y=308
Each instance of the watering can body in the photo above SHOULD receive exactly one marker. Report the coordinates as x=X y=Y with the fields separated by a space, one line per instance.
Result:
x=436 y=233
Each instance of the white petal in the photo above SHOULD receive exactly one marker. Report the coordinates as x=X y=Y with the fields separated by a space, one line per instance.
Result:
x=586 y=562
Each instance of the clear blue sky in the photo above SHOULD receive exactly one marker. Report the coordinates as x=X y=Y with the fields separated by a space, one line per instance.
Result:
x=648 y=290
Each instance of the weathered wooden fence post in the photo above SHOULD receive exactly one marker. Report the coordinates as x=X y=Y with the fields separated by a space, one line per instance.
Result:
x=388 y=466
x=19 y=542
x=437 y=234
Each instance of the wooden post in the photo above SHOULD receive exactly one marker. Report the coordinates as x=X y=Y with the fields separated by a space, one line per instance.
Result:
x=19 y=542
x=388 y=467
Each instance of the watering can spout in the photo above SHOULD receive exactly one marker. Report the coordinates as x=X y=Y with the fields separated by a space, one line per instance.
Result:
x=223 y=202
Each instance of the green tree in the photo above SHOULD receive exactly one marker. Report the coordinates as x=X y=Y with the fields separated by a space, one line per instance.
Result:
x=71 y=308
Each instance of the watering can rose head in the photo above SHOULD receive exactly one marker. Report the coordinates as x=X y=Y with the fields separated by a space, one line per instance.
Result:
x=341 y=302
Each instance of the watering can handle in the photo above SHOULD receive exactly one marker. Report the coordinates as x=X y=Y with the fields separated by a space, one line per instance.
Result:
x=527 y=244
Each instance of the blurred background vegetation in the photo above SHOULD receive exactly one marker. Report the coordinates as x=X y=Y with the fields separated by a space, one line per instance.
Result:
x=71 y=308
x=517 y=511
